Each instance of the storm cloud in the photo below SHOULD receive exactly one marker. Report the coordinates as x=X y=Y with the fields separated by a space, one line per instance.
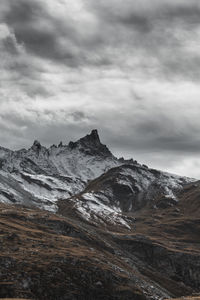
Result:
x=130 y=69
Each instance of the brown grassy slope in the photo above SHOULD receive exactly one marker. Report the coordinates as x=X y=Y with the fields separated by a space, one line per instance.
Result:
x=44 y=256
x=166 y=241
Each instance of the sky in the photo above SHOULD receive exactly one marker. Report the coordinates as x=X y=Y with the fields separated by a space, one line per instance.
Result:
x=128 y=68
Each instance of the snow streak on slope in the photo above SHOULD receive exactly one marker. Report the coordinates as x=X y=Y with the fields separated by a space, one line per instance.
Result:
x=93 y=209
x=125 y=189
x=144 y=178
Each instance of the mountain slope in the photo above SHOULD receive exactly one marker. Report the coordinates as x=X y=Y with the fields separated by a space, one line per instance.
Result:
x=111 y=197
x=158 y=258
x=42 y=250
x=122 y=230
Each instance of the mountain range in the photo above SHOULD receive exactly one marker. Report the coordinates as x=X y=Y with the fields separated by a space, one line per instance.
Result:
x=94 y=226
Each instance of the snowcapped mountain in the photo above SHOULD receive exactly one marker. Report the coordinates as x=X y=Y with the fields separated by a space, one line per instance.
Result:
x=41 y=176
x=86 y=175
x=87 y=158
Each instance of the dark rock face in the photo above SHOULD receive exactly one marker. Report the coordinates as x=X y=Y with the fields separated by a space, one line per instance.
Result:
x=36 y=146
x=91 y=145
x=132 y=187
x=181 y=267
x=91 y=139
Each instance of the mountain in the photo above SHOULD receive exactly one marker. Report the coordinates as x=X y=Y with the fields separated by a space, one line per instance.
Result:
x=42 y=176
x=91 y=226
x=125 y=189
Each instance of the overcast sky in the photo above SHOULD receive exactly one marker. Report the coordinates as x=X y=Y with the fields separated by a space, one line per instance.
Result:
x=129 y=68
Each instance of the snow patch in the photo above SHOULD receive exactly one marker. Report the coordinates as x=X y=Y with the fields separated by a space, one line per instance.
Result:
x=92 y=208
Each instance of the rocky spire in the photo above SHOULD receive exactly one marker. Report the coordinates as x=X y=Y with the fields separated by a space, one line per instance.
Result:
x=91 y=144
x=91 y=139
x=36 y=145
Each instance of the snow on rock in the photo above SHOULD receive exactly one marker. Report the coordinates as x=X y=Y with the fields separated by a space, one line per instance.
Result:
x=85 y=159
x=144 y=178
x=50 y=174
x=128 y=188
x=92 y=209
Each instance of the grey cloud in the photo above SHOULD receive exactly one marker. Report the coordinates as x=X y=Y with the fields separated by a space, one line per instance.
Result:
x=10 y=45
x=146 y=31
x=79 y=116
x=152 y=31
x=23 y=16
x=50 y=37
x=41 y=33
x=143 y=10
x=175 y=144
x=95 y=69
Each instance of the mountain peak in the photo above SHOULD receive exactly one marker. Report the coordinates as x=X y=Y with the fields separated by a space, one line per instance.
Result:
x=94 y=134
x=91 y=139
x=91 y=144
x=36 y=146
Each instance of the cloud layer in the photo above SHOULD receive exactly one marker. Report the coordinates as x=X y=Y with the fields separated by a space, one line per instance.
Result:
x=129 y=68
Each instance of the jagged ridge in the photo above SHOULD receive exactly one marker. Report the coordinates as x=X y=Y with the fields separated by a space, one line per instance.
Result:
x=43 y=176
